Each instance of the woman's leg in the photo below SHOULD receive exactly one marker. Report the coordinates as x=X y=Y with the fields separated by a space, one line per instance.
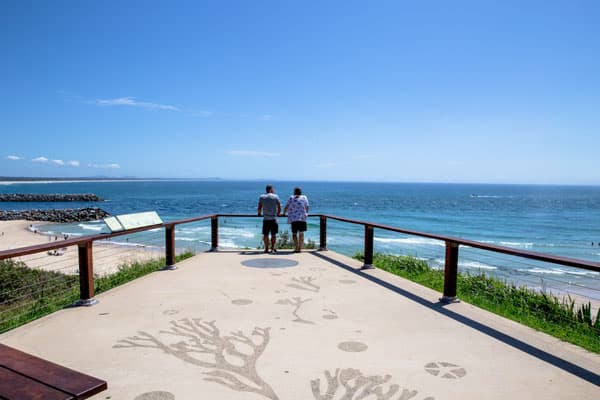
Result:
x=300 y=240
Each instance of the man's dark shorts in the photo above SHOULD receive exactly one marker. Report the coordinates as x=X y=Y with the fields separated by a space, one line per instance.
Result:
x=271 y=226
x=298 y=226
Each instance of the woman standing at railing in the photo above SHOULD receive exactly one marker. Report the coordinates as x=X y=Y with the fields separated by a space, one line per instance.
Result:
x=297 y=211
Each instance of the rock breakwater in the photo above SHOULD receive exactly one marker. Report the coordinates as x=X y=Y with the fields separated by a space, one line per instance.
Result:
x=66 y=215
x=43 y=197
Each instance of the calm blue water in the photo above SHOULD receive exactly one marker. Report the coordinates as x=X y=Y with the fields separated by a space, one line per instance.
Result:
x=561 y=220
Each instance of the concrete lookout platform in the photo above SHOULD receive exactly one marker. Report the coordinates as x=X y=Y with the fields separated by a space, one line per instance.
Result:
x=249 y=325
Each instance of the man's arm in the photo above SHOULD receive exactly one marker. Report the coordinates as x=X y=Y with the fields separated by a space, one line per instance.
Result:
x=259 y=208
x=278 y=208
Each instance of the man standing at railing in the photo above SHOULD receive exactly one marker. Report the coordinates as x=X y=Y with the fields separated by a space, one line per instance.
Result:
x=297 y=211
x=269 y=207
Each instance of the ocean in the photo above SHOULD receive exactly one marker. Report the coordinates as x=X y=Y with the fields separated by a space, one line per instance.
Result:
x=559 y=220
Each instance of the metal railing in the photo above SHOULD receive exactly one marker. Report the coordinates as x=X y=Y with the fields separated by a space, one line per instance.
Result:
x=452 y=246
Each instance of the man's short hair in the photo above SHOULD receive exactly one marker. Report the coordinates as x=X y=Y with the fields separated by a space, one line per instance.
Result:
x=269 y=188
x=297 y=191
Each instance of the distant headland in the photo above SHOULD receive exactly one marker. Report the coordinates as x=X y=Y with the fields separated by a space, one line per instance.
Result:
x=28 y=179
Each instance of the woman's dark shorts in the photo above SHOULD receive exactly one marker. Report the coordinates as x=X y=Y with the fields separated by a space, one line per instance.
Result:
x=270 y=225
x=298 y=226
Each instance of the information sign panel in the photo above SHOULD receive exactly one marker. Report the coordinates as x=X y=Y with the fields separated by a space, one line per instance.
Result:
x=113 y=224
x=131 y=221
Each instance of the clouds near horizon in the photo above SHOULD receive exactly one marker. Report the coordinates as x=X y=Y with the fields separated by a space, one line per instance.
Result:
x=132 y=102
x=62 y=163
x=105 y=166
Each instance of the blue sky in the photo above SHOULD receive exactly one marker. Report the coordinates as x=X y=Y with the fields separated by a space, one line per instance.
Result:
x=427 y=91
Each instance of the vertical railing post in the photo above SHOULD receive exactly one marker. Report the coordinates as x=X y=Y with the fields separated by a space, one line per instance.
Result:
x=86 y=275
x=170 y=247
x=450 y=273
x=368 y=264
x=322 y=233
x=214 y=233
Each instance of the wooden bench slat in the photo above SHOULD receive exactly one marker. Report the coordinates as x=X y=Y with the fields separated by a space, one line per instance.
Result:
x=80 y=385
x=16 y=387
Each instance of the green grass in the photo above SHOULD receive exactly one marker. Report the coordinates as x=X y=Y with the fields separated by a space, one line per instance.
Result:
x=561 y=318
x=27 y=294
x=131 y=271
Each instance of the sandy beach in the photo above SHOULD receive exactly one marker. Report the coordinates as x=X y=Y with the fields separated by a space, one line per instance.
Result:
x=107 y=256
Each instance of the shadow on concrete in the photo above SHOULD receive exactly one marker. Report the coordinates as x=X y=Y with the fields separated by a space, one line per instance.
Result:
x=263 y=253
x=558 y=362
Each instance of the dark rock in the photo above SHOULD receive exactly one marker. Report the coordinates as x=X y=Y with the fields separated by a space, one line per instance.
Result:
x=20 y=197
x=66 y=215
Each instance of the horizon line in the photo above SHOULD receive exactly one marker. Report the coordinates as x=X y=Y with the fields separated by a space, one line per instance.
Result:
x=6 y=180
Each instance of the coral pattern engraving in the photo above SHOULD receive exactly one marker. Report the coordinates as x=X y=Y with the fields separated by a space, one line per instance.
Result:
x=329 y=314
x=305 y=283
x=445 y=370
x=241 y=302
x=351 y=384
x=352 y=347
x=296 y=302
x=159 y=395
x=203 y=345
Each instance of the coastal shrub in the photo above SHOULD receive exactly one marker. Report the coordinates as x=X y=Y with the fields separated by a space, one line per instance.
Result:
x=562 y=318
x=27 y=294
x=20 y=283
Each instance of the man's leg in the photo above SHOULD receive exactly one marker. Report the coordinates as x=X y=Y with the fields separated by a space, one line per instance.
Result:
x=295 y=238
x=266 y=242
x=300 y=240
x=273 y=240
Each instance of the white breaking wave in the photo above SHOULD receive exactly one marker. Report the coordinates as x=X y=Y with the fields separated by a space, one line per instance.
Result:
x=526 y=245
x=193 y=229
x=236 y=232
x=228 y=244
x=558 y=271
x=467 y=264
x=476 y=265
x=186 y=239
x=413 y=241
x=91 y=227
x=132 y=244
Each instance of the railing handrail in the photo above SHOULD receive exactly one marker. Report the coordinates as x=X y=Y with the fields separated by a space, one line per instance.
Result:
x=567 y=261
x=452 y=245
x=39 y=248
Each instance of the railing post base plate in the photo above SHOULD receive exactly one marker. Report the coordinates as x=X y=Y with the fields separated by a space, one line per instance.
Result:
x=86 y=302
x=169 y=268
x=213 y=250
x=449 y=299
x=322 y=249
x=367 y=266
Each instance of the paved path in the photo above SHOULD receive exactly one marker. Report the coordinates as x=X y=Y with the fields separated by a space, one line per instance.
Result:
x=245 y=325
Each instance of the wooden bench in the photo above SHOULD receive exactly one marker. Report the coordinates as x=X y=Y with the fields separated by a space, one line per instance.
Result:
x=26 y=377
